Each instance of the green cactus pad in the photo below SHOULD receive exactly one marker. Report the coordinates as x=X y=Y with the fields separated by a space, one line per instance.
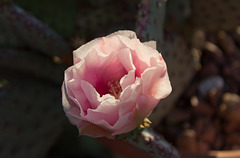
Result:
x=30 y=31
x=30 y=62
x=31 y=117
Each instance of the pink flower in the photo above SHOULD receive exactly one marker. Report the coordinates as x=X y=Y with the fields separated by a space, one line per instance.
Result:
x=115 y=82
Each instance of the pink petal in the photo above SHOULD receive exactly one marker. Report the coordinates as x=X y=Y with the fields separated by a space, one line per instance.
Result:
x=162 y=88
x=111 y=44
x=126 y=123
x=91 y=94
x=102 y=68
x=82 y=51
x=73 y=115
x=145 y=105
x=128 y=79
x=144 y=51
x=74 y=88
x=125 y=58
x=114 y=70
x=72 y=108
x=69 y=98
x=89 y=129
x=97 y=59
x=128 y=43
x=139 y=64
x=66 y=99
x=155 y=82
x=95 y=64
x=151 y=44
x=107 y=111
x=70 y=105
x=128 y=98
x=142 y=56
x=125 y=33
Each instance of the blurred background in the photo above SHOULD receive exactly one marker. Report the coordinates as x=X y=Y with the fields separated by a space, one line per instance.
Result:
x=199 y=40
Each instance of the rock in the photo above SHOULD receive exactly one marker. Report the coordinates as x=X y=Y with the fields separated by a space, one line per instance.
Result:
x=209 y=83
x=230 y=107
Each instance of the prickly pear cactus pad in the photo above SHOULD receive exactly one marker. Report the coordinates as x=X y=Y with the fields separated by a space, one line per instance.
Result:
x=177 y=13
x=41 y=66
x=31 y=121
x=59 y=15
x=22 y=26
x=154 y=144
x=150 y=20
x=106 y=16
x=216 y=14
x=29 y=84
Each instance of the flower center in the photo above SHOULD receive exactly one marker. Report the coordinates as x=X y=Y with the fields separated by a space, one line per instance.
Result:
x=115 y=88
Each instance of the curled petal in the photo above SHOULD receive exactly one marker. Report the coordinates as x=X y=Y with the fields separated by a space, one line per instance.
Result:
x=107 y=111
x=125 y=57
x=151 y=44
x=95 y=131
x=128 y=79
x=126 y=33
x=129 y=103
x=126 y=123
x=145 y=105
x=91 y=94
x=155 y=82
x=82 y=51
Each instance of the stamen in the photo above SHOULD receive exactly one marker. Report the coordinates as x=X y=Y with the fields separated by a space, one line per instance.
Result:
x=115 y=88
